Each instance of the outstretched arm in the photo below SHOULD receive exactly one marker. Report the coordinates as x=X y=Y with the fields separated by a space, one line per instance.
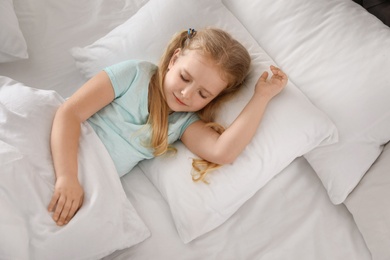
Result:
x=90 y=98
x=225 y=148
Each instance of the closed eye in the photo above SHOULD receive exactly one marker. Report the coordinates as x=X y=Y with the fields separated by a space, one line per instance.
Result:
x=184 y=79
x=202 y=95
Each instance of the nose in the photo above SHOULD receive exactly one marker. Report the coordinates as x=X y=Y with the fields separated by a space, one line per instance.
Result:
x=187 y=92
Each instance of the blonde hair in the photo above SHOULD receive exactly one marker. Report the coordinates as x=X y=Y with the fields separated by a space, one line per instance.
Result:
x=231 y=58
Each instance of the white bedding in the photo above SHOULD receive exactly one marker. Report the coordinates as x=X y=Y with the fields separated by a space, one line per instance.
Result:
x=27 y=184
x=338 y=54
x=290 y=218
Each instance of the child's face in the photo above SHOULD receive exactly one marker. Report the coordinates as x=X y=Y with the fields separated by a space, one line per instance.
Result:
x=191 y=82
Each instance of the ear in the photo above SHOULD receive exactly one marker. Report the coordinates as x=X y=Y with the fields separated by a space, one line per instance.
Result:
x=174 y=58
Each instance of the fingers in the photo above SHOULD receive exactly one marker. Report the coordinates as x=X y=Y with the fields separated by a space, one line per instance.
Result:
x=271 y=87
x=65 y=210
x=278 y=73
x=66 y=200
x=73 y=209
x=53 y=202
x=264 y=76
x=60 y=211
x=67 y=213
x=276 y=70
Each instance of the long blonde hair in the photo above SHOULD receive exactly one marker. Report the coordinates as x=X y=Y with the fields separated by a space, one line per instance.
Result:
x=231 y=58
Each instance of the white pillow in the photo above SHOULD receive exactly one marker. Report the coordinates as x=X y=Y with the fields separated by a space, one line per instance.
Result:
x=339 y=56
x=106 y=222
x=370 y=206
x=291 y=127
x=12 y=43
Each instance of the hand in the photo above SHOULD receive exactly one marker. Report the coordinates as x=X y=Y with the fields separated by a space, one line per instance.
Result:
x=273 y=86
x=67 y=199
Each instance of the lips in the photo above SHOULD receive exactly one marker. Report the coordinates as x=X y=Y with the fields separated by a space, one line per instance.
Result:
x=179 y=101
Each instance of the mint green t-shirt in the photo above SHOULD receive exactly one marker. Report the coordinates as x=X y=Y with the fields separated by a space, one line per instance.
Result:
x=121 y=125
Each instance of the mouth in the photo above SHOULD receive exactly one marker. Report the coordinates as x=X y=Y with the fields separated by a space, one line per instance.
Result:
x=179 y=101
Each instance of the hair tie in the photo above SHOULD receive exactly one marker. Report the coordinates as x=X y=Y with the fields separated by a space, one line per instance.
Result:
x=191 y=33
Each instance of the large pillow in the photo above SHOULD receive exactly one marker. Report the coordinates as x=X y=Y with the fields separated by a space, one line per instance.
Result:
x=370 y=206
x=291 y=127
x=106 y=222
x=339 y=56
x=12 y=43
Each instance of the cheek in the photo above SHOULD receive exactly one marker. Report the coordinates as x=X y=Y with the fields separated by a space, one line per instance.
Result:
x=167 y=82
x=201 y=103
x=170 y=82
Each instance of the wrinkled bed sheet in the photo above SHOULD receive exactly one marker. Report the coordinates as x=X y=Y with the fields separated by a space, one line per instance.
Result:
x=27 y=179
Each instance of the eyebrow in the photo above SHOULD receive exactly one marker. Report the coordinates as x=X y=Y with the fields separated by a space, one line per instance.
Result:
x=203 y=88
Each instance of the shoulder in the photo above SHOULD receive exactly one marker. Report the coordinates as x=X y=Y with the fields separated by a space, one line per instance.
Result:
x=129 y=73
x=132 y=66
x=179 y=121
x=145 y=65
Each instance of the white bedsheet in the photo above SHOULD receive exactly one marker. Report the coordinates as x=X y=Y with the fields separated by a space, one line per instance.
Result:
x=106 y=222
x=291 y=218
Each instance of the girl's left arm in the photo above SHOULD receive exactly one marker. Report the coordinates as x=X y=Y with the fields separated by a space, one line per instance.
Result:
x=225 y=148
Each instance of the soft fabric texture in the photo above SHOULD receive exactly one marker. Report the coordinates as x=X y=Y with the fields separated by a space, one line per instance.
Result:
x=291 y=127
x=370 y=206
x=51 y=28
x=122 y=125
x=290 y=218
x=106 y=221
x=344 y=70
x=13 y=46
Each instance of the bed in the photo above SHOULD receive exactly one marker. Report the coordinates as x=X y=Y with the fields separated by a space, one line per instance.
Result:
x=313 y=184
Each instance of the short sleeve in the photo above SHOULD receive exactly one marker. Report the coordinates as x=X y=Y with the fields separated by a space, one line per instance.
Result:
x=192 y=118
x=122 y=76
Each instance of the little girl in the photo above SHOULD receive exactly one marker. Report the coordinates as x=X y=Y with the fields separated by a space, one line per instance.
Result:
x=138 y=109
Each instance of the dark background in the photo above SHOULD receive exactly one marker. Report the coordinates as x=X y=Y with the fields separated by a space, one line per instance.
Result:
x=379 y=8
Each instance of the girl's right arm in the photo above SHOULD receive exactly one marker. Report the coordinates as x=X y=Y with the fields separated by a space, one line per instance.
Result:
x=226 y=147
x=90 y=98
